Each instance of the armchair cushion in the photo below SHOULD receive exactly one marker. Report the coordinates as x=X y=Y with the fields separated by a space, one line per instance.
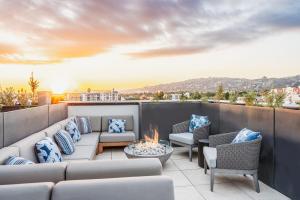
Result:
x=186 y=138
x=245 y=135
x=210 y=155
x=197 y=121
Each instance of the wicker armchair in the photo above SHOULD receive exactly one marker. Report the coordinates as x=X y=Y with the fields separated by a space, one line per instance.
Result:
x=223 y=157
x=181 y=136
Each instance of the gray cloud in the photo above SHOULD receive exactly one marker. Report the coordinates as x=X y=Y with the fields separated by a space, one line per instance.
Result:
x=68 y=29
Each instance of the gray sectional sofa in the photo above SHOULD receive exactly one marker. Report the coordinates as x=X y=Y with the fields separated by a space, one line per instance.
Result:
x=81 y=176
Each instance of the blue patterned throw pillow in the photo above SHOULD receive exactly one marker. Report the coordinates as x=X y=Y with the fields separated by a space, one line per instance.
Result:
x=116 y=125
x=246 y=135
x=47 y=151
x=65 y=142
x=15 y=160
x=84 y=125
x=73 y=130
x=197 y=121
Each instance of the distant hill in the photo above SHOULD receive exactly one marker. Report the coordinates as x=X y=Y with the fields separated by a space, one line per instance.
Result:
x=210 y=84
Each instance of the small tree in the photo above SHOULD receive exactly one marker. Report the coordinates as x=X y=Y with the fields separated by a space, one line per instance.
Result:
x=279 y=99
x=270 y=99
x=8 y=96
x=233 y=97
x=183 y=97
x=196 y=95
x=219 y=93
x=33 y=84
x=159 y=95
x=226 y=96
x=250 y=98
x=23 y=97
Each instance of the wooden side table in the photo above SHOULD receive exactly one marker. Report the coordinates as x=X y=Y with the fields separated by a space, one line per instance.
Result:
x=201 y=144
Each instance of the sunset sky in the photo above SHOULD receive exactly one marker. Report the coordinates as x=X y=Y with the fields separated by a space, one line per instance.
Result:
x=104 y=44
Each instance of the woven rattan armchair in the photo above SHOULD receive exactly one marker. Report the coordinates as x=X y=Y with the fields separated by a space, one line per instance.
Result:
x=223 y=157
x=181 y=136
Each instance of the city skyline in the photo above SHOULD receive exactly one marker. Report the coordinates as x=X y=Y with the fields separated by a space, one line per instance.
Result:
x=73 y=46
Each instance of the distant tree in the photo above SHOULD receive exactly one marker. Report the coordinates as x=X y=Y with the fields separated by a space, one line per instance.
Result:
x=233 y=96
x=269 y=98
x=250 y=98
x=89 y=90
x=279 y=99
x=8 y=96
x=159 y=95
x=33 y=84
x=219 y=93
x=196 y=95
x=226 y=95
x=183 y=97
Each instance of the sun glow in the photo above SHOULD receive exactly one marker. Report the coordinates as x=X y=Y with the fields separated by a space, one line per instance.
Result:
x=59 y=86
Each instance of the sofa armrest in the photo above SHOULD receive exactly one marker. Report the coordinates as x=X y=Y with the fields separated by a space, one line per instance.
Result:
x=240 y=156
x=99 y=169
x=46 y=172
x=181 y=127
x=224 y=138
x=145 y=188
x=32 y=191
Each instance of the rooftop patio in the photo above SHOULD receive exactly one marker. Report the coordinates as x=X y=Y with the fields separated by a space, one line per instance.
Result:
x=279 y=128
x=191 y=183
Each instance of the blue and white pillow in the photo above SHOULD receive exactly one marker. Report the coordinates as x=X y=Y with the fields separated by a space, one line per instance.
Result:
x=65 y=142
x=197 y=121
x=47 y=151
x=116 y=125
x=15 y=160
x=84 y=125
x=246 y=135
x=73 y=130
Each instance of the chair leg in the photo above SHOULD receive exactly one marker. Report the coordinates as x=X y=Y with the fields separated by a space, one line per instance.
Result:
x=205 y=166
x=190 y=153
x=212 y=179
x=256 y=183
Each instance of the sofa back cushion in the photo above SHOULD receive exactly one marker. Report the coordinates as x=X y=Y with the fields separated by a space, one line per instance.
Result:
x=6 y=152
x=52 y=130
x=47 y=172
x=47 y=151
x=27 y=146
x=128 y=124
x=95 y=123
x=84 y=125
x=32 y=191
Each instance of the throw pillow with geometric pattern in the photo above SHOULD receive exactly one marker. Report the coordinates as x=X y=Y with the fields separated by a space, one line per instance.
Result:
x=15 y=160
x=116 y=125
x=73 y=130
x=47 y=151
x=65 y=142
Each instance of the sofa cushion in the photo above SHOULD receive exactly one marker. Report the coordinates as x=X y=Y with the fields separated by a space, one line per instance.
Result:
x=133 y=188
x=65 y=142
x=32 y=191
x=98 y=169
x=16 y=160
x=128 y=136
x=210 y=155
x=197 y=121
x=84 y=124
x=116 y=125
x=27 y=146
x=6 y=152
x=73 y=130
x=186 y=138
x=52 y=130
x=81 y=152
x=95 y=123
x=47 y=151
x=89 y=139
x=47 y=172
x=128 y=125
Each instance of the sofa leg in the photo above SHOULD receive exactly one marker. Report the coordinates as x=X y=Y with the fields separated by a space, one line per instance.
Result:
x=190 y=153
x=256 y=183
x=205 y=166
x=212 y=179
x=100 y=148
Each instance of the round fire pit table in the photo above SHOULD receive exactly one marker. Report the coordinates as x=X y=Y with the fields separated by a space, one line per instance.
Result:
x=144 y=150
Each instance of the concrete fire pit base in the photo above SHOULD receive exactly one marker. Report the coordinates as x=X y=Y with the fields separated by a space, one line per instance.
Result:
x=163 y=158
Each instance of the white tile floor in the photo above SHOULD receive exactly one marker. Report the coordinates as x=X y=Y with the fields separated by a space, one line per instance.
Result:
x=192 y=184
